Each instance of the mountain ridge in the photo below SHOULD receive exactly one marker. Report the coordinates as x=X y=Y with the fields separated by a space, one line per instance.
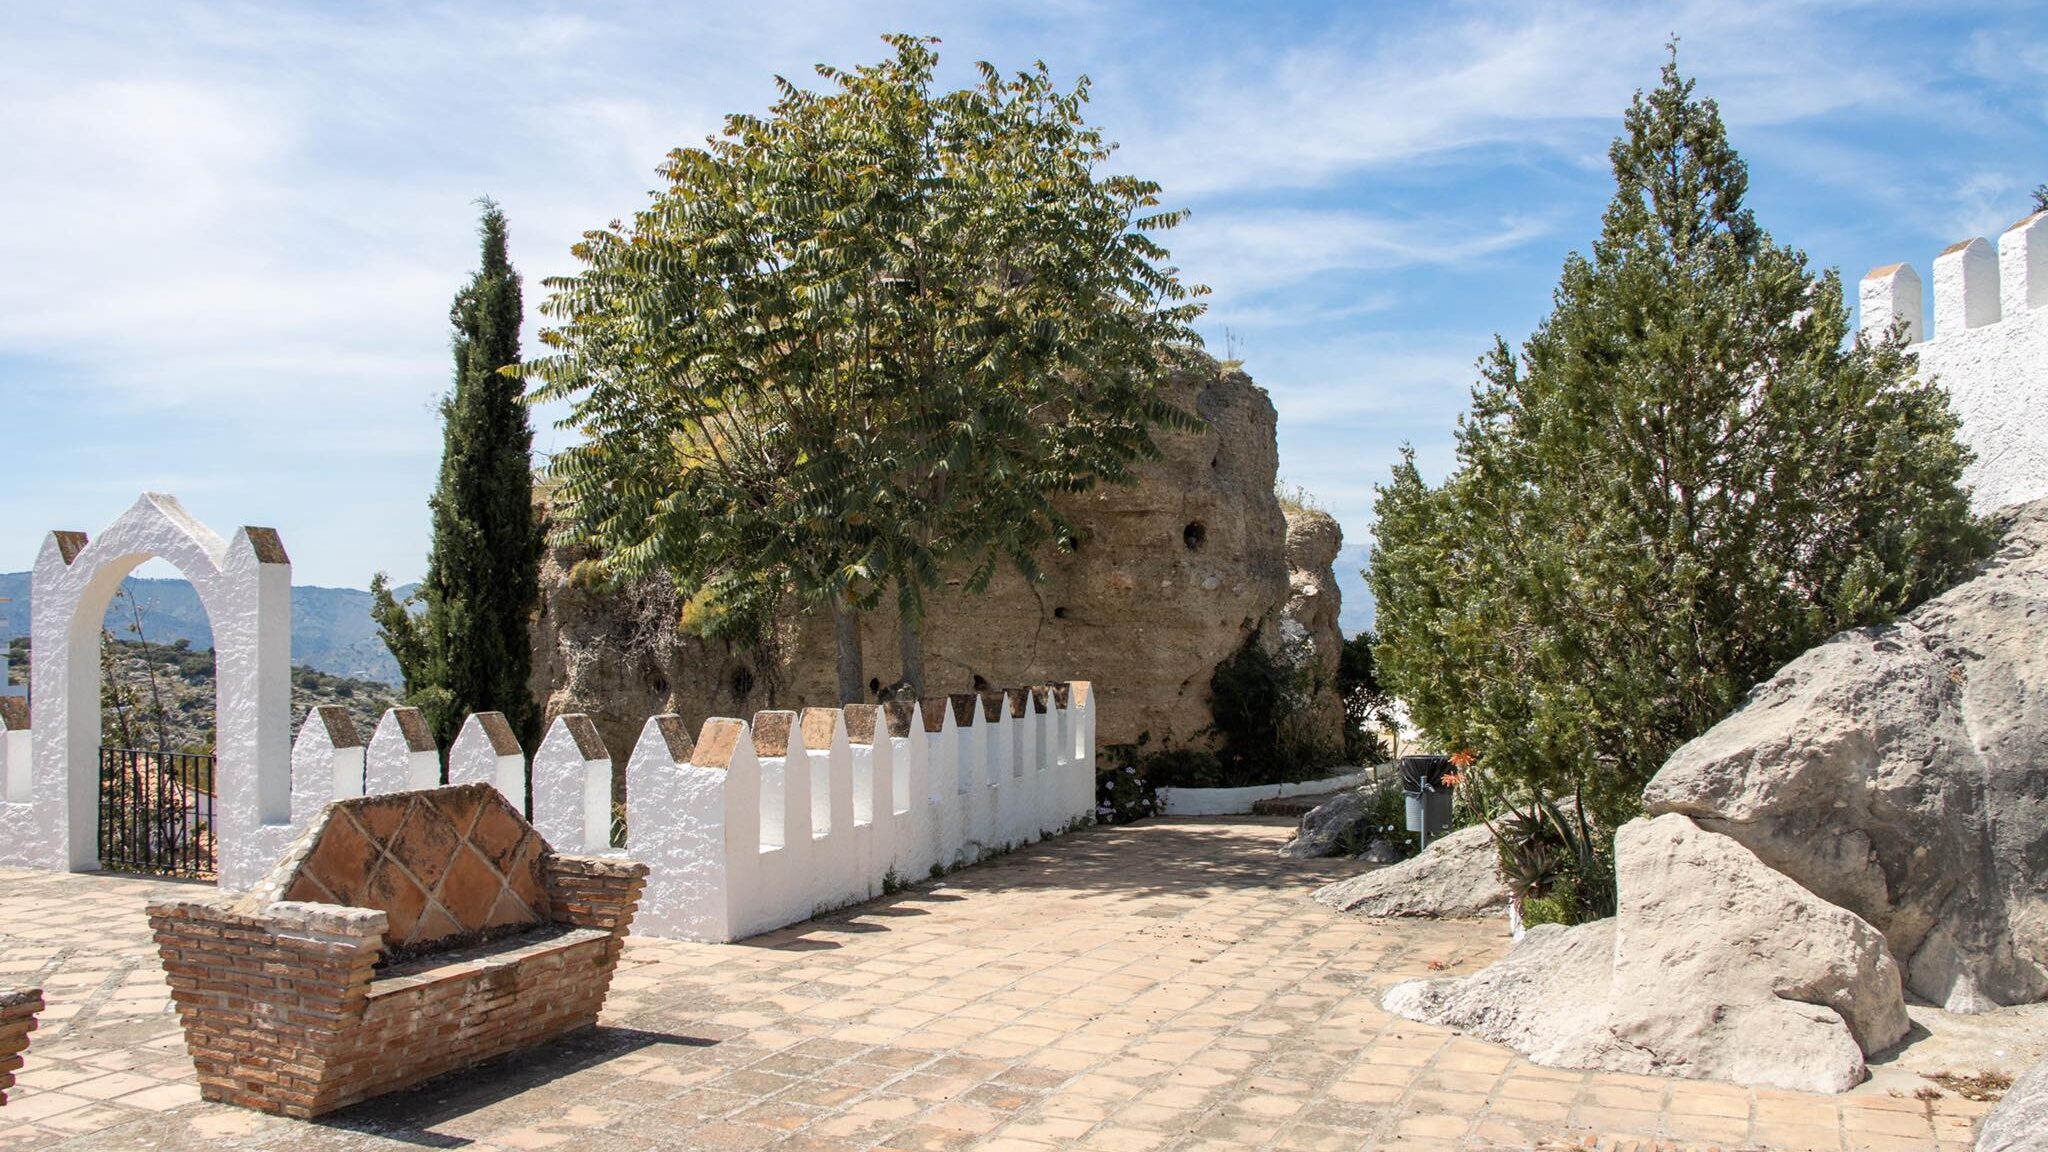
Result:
x=332 y=630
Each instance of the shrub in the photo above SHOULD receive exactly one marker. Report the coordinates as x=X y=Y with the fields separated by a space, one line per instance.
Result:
x=1261 y=703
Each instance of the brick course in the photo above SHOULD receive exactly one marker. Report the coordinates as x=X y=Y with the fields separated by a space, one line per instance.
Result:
x=285 y=1009
x=18 y=1008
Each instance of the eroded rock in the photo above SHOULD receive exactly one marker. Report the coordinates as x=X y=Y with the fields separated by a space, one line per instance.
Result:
x=1902 y=773
x=1172 y=576
x=1715 y=967
x=2019 y=1123
x=1457 y=876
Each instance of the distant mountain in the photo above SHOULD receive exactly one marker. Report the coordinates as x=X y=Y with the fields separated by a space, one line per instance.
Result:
x=331 y=627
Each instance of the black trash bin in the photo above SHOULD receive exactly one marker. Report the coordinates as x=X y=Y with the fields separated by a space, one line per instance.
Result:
x=1428 y=795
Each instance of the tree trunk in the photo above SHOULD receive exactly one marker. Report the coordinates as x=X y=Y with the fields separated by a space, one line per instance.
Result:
x=910 y=647
x=846 y=638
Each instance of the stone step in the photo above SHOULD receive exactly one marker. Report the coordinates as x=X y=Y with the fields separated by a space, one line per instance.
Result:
x=1296 y=806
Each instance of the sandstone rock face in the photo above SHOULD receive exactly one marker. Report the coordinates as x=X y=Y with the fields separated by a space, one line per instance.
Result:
x=1458 y=875
x=1175 y=573
x=1331 y=828
x=1308 y=622
x=2020 y=1121
x=1902 y=773
x=1714 y=967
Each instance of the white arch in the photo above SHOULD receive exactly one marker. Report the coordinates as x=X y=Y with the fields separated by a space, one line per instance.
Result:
x=245 y=586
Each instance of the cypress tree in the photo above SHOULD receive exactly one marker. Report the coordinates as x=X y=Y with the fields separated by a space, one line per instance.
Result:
x=468 y=650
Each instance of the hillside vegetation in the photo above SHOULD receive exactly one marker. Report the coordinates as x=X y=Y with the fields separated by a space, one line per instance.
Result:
x=162 y=695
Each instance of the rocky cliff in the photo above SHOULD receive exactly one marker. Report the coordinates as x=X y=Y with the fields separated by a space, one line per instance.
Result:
x=1173 y=575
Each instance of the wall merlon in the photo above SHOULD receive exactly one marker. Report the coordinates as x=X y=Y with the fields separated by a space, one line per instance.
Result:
x=772 y=732
x=820 y=725
x=863 y=722
x=2023 y=265
x=717 y=741
x=1965 y=287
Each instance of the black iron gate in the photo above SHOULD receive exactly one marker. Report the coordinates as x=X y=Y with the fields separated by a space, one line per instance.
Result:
x=156 y=812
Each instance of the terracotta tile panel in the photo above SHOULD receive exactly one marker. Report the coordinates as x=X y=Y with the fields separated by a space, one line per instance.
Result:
x=391 y=890
x=470 y=889
x=380 y=816
x=427 y=842
x=460 y=805
x=526 y=878
x=498 y=834
x=341 y=860
x=508 y=912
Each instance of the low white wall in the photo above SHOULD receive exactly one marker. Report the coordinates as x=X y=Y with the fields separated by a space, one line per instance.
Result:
x=757 y=825
x=1234 y=801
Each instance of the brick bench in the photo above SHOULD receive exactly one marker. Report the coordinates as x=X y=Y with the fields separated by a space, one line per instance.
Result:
x=403 y=936
x=18 y=1008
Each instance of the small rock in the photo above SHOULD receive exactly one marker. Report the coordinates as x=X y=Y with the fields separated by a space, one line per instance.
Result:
x=1381 y=851
x=1330 y=828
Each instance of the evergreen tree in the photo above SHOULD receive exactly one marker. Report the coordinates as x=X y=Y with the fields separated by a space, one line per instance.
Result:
x=1690 y=475
x=468 y=650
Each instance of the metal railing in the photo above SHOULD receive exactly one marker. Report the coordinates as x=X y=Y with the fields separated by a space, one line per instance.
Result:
x=157 y=812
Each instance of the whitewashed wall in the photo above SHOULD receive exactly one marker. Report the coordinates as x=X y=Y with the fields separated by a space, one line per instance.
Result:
x=1988 y=348
x=757 y=825
x=245 y=585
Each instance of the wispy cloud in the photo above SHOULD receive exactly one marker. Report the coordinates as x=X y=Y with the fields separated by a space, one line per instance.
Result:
x=239 y=225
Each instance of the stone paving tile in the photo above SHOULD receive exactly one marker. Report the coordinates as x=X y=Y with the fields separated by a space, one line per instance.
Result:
x=1154 y=988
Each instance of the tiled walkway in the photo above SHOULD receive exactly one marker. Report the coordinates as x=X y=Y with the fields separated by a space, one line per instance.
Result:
x=1162 y=986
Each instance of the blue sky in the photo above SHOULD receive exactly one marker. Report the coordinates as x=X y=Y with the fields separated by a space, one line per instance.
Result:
x=229 y=234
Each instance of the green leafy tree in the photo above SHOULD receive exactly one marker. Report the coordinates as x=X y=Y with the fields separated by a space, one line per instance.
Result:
x=461 y=638
x=862 y=341
x=1689 y=475
x=1368 y=708
x=2041 y=197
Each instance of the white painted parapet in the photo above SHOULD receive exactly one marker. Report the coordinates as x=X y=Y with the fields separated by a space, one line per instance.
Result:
x=765 y=824
x=572 y=786
x=327 y=761
x=402 y=755
x=687 y=895
x=486 y=752
x=17 y=754
x=1989 y=349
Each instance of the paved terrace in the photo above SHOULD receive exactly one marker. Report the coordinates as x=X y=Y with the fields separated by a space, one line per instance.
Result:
x=1161 y=986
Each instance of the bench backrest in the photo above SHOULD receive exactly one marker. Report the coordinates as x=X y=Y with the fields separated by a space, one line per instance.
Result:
x=448 y=866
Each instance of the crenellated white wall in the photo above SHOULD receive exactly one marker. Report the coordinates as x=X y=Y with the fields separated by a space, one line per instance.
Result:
x=754 y=826
x=1988 y=348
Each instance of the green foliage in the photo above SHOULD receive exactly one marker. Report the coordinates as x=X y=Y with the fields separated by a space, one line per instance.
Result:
x=1557 y=867
x=1261 y=703
x=2041 y=197
x=461 y=639
x=864 y=340
x=1690 y=475
x=1368 y=708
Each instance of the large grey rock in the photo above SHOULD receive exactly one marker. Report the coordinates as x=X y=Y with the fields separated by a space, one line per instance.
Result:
x=1714 y=967
x=1902 y=773
x=1333 y=828
x=2019 y=1123
x=1458 y=875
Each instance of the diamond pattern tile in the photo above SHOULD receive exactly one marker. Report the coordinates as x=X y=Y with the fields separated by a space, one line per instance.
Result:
x=447 y=865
